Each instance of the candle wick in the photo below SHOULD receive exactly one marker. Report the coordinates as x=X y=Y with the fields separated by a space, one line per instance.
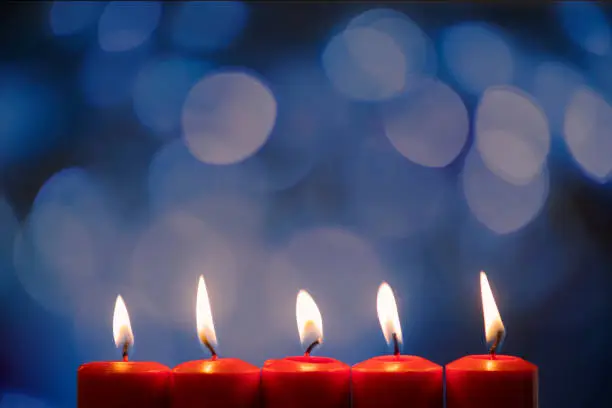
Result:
x=396 y=348
x=210 y=348
x=312 y=346
x=126 y=347
x=496 y=344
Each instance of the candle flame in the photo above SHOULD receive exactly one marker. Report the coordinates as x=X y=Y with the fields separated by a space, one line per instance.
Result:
x=309 y=320
x=387 y=313
x=204 y=319
x=494 y=327
x=122 y=329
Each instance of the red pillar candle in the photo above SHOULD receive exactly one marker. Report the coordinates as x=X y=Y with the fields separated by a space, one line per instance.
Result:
x=123 y=384
x=306 y=381
x=394 y=381
x=217 y=382
x=491 y=380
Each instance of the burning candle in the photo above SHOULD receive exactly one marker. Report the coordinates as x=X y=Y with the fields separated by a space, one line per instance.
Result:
x=123 y=384
x=216 y=382
x=491 y=380
x=395 y=380
x=306 y=381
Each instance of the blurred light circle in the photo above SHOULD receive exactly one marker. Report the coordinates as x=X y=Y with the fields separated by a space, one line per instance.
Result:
x=168 y=258
x=161 y=88
x=60 y=250
x=365 y=64
x=107 y=79
x=71 y=17
x=501 y=206
x=127 y=24
x=208 y=26
x=30 y=115
x=512 y=134
x=176 y=177
x=13 y=400
x=388 y=196
x=227 y=117
x=428 y=127
x=215 y=194
x=554 y=84
x=585 y=24
x=477 y=56
x=587 y=132
x=416 y=47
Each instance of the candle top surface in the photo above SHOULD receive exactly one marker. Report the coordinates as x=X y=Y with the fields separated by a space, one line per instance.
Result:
x=484 y=362
x=305 y=364
x=394 y=363
x=122 y=367
x=217 y=366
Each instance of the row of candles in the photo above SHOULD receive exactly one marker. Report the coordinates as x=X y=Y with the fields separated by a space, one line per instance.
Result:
x=477 y=381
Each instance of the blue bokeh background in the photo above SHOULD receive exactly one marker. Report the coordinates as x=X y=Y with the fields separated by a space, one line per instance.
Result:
x=274 y=147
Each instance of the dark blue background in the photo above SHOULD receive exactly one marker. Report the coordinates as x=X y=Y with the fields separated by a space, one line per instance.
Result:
x=286 y=226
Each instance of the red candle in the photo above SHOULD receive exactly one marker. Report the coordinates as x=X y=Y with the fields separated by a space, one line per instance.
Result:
x=491 y=380
x=306 y=381
x=218 y=382
x=123 y=384
x=394 y=381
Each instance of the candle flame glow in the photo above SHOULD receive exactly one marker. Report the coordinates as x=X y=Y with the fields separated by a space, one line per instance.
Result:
x=204 y=319
x=494 y=326
x=122 y=329
x=309 y=320
x=387 y=313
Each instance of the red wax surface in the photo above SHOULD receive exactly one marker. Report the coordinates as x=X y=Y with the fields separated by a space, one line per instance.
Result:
x=306 y=382
x=397 y=381
x=503 y=382
x=219 y=383
x=120 y=384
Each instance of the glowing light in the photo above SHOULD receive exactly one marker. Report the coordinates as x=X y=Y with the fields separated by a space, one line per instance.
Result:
x=501 y=206
x=492 y=320
x=309 y=320
x=208 y=26
x=387 y=313
x=512 y=134
x=334 y=260
x=206 y=327
x=127 y=24
x=365 y=64
x=71 y=17
x=227 y=117
x=586 y=25
x=413 y=124
x=183 y=243
x=160 y=90
x=122 y=329
x=477 y=56
x=587 y=132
